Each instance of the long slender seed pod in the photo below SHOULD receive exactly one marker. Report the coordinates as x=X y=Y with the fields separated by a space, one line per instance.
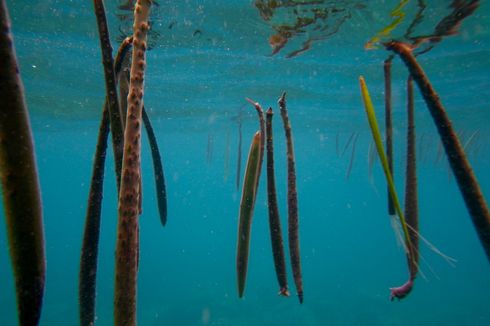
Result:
x=90 y=246
x=293 y=221
x=402 y=291
x=127 y=246
x=161 y=190
x=247 y=203
x=20 y=184
x=123 y=77
x=274 y=220
x=411 y=193
x=388 y=126
x=111 y=91
x=467 y=182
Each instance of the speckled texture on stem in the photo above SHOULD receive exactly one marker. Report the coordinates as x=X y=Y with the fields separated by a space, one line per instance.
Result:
x=411 y=192
x=111 y=91
x=388 y=126
x=90 y=245
x=127 y=246
x=293 y=221
x=274 y=219
x=467 y=182
x=20 y=184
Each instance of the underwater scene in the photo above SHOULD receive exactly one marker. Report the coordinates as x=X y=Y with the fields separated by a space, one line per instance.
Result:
x=313 y=162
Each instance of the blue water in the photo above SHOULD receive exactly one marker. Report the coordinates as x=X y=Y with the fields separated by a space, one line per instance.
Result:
x=195 y=86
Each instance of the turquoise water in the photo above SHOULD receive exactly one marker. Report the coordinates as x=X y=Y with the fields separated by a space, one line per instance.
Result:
x=195 y=86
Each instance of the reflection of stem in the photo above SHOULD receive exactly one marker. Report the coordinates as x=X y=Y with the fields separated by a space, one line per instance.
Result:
x=20 y=184
x=293 y=223
x=127 y=246
x=274 y=220
x=389 y=127
x=462 y=170
x=110 y=81
x=352 y=156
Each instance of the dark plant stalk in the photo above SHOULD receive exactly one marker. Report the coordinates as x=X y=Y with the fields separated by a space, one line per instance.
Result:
x=293 y=223
x=20 y=184
x=274 y=220
x=411 y=193
x=388 y=127
x=247 y=204
x=467 y=182
x=161 y=190
x=90 y=246
x=122 y=75
x=411 y=201
x=127 y=246
x=111 y=91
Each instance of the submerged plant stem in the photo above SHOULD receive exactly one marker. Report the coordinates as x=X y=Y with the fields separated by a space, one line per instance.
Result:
x=293 y=221
x=388 y=126
x=111 y=91
x=20 y=184
x=247 y=204
x=90 y=246
x=161 y=190
x=467 y=182
x=127 y=246
x=274 y=220
x=411 y=192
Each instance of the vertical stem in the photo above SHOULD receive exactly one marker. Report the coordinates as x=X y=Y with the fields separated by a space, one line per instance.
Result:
x=467 y=182
x=127 y=246
x=388 y=126
x=161 y=190
x=90 y=247
x=274 y=220
x=111 y=91
x=293 y=223
x=20 y=184
x=411 y=196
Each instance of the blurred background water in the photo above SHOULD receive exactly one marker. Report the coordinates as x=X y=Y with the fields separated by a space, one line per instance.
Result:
x=206 y=57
